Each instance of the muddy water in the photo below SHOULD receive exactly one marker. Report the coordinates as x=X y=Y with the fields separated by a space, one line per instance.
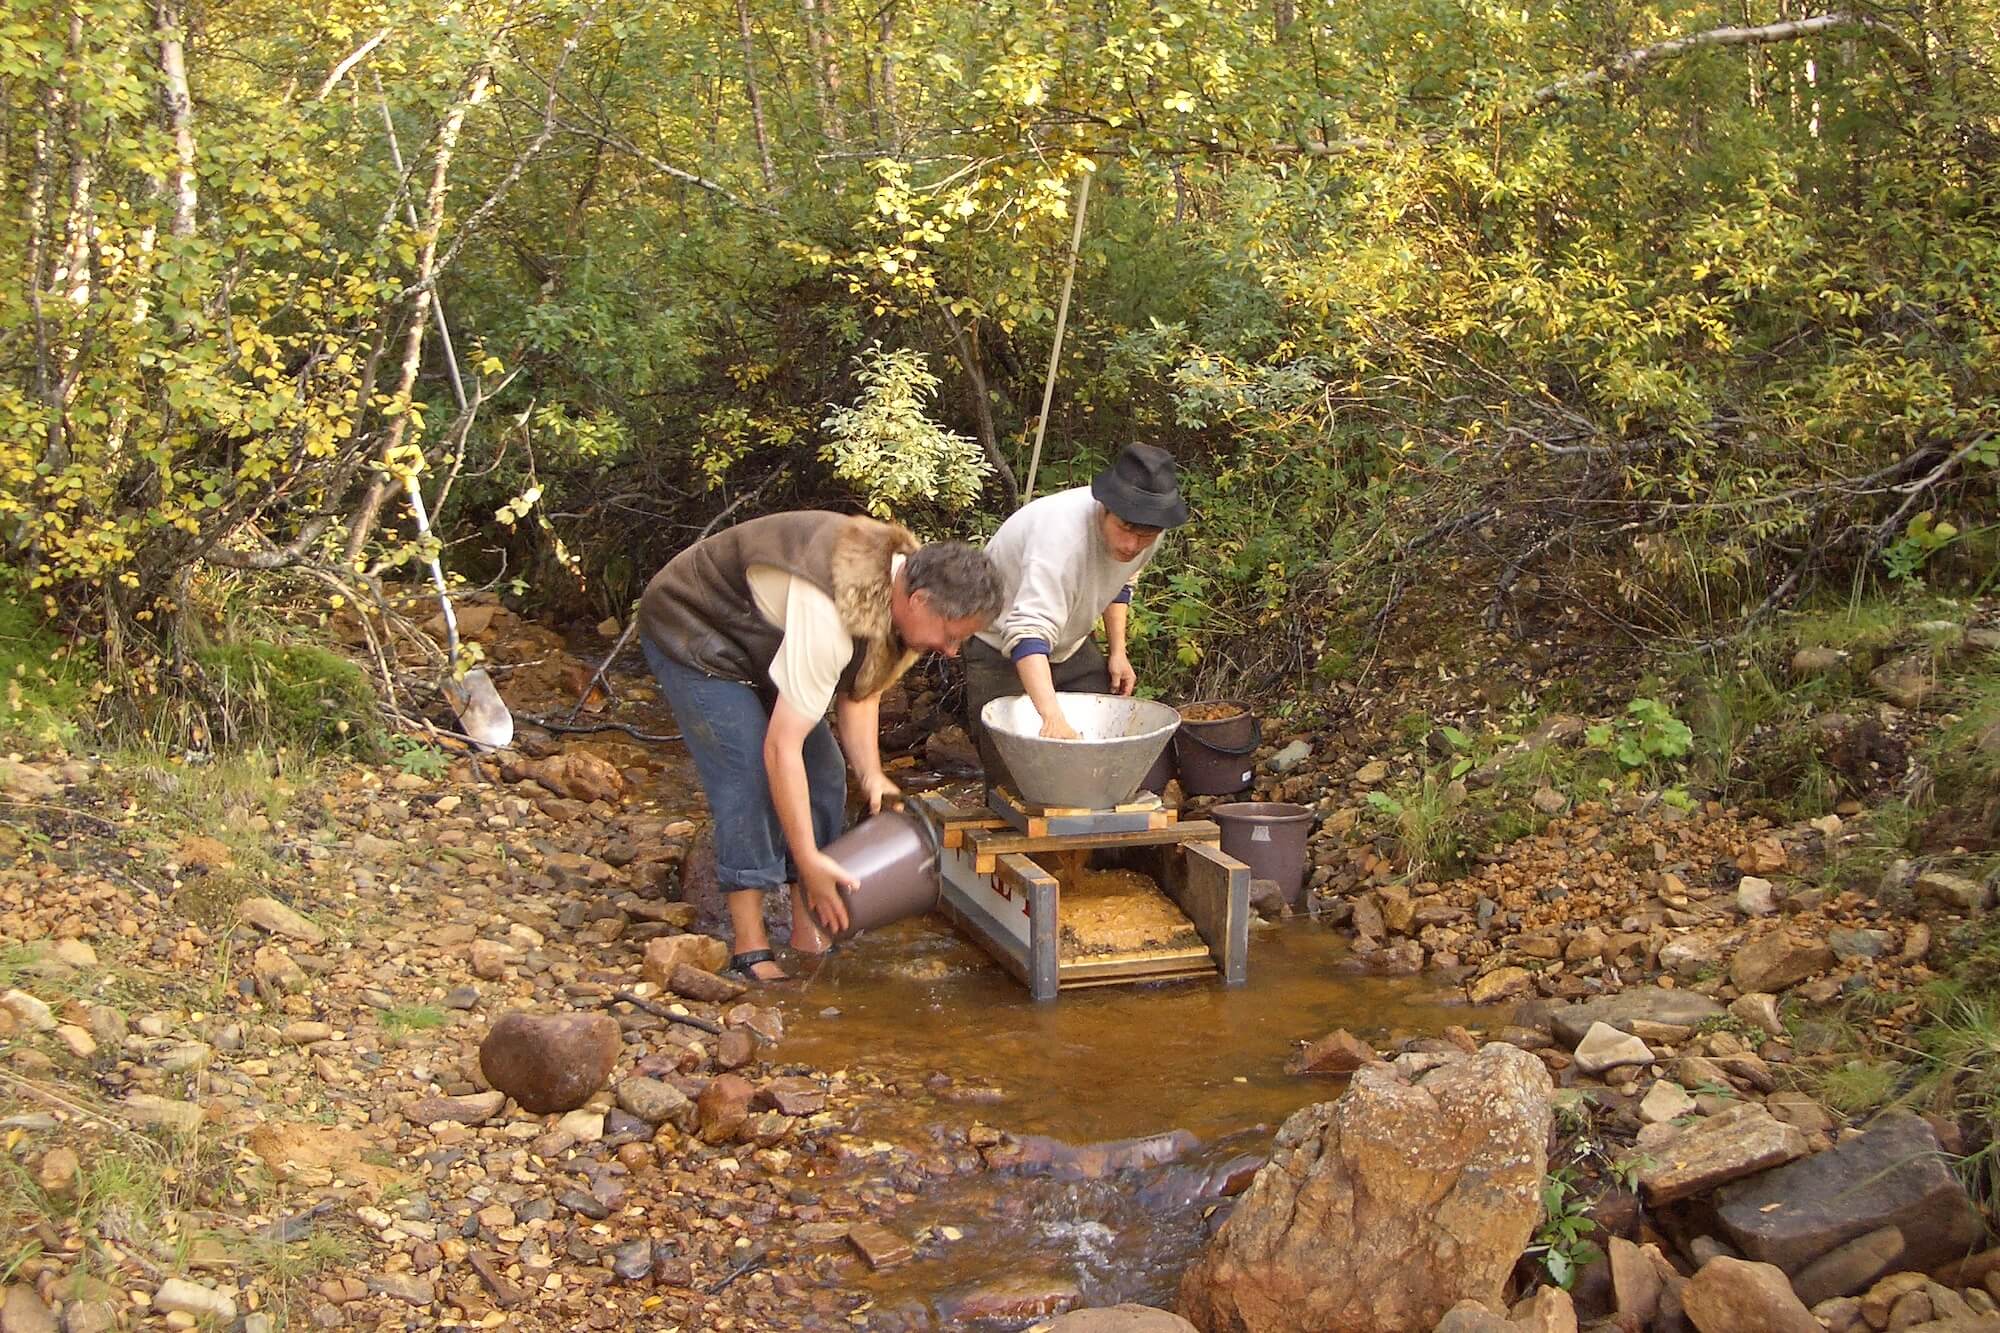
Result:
x=915 y=1002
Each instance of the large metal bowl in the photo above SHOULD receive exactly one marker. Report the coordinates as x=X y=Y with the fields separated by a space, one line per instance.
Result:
x=1117 y=741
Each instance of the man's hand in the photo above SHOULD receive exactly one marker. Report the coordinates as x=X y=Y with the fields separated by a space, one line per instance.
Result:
x=822 y=878
x=877 y=789
x=1056 y=727
x=1124 y=679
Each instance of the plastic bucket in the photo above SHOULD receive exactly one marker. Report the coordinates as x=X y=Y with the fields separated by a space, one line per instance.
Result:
x=1161 y=773
x=893 y=857
x=1213 y=755
x=1270 y=838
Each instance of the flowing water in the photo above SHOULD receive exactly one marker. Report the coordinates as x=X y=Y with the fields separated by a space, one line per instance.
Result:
x=917 y=1005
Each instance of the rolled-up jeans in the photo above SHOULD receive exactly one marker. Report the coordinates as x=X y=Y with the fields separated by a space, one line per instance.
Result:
x=723 y=723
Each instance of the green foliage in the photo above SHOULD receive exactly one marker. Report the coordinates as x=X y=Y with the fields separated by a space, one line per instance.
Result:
x=886 y=447
x=1646 y=737
x=1563 y=1238
x=411 y=755
x=295 y=695
x=402 y=1020
x=46 y=698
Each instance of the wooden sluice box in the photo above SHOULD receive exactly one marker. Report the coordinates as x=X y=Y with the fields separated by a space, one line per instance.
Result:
x=997 y=892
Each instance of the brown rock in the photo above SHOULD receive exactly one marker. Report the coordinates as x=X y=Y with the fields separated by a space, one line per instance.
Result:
x=575 y=775
x=1635 y=1281
x=879 y=1246
x=723 y=1107
x=1342 y=1231
x=1120 y=1319
x=550 y=1062
x=1338 y=1052
x=695 y=984
x=1013 y=1300
x=1397 y=909
x=23 y=1312
x=490 y=958
x=1849 y=1268
x=474 y=1109
x=1734 y=1296
x=1502 y=983
x=669 y=952
x=1766 y=856
x=734 y=1048
x=1549 y=1310
x=1777 y=960
x=274 y=918
x=1741 y=1141
x=1472 y=1317
x=792 y=1096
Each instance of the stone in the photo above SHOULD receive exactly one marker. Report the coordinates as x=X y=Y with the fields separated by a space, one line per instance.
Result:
x=1119 y=1319
x=22 y=1311
x=1905 y=682
x=79 y=1043
x=1549 y=1310
x=582 y=1125
x=56 y=1174
x=1502 y=983
x=1636 y=1284
x=1014 y=1300
x=29 y=1012
x=305 y=1033
x=1779 y=959
x=723 y=1107
x=550 y=1062
x=276 y=970
x=653 y=1101
x=1289 y=758
x=668 y=952
x=1756 y=896
x=1954 y=892
x=1734 y=1296
x=1816 y=660
x=274 y=918
x=1648 y=1004
x=27 y=782
x=1760 y=1011
x=792 y=1096
x=1372 y=772
x=574 y=775
x=1549 y=801
x=878 y=1246
x=490 y=959
x=1741 y=1141
x=1381 y=1210
x=1795 y=1108
x=734 y=1049
x=1666 y=1100
x=1847 y=944
x=1398 y=912
x=1893 y=1174
x=1604 y=1047
x=1849 y=1268
x=696 y=984
x=402 y=1287
x=1472 y=1317
x=179 y=1296
x=1764 y=856
x=472 y=1109
x=143 y=1108
x=1338 y=1052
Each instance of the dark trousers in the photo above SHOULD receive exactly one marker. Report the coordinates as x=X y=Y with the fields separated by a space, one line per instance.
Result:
x=989 y=676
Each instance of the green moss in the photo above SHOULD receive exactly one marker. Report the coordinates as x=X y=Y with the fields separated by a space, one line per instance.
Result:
x=294 y=695
x=43 y=698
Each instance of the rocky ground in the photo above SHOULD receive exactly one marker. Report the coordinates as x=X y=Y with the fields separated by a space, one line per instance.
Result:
x=257 y=1073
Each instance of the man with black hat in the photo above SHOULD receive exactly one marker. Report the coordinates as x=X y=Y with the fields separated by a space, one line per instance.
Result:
x=1065 y=560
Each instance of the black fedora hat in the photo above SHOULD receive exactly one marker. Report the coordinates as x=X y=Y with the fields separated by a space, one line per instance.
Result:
x=1139 y=487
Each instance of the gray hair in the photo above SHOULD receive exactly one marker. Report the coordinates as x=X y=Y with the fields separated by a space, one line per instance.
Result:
x=959 y=581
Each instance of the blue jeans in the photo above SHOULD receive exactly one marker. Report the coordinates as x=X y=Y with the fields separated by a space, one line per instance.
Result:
x=723 y=723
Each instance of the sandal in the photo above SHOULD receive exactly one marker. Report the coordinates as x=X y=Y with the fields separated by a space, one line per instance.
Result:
x=743 y=963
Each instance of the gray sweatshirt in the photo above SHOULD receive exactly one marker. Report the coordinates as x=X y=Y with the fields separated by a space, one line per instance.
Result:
x=1057 y=573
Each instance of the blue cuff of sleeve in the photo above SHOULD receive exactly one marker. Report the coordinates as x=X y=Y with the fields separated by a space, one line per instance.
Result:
x=1124 y=595
x=1028 y=648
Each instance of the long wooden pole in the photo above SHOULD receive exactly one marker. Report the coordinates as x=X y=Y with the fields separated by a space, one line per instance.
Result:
x=1055 y=349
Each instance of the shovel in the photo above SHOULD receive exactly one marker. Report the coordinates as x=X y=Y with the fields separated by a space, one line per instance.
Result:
x=486 y=718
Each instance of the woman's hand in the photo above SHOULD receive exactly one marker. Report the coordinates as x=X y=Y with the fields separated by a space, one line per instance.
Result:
x=1056 y=727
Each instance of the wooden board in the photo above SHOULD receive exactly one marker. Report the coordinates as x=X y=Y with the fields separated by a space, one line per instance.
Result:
x=988 y=845
x=1034 y=820
x=1214 y=890
x=953 y=821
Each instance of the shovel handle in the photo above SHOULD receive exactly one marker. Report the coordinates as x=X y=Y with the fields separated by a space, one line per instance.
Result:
x=437 y=571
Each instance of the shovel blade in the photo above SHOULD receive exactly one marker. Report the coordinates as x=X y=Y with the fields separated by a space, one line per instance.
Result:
x=481 y=711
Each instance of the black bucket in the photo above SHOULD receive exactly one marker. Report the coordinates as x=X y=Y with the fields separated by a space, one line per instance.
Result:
x=1270 y=838
x=1214 y=756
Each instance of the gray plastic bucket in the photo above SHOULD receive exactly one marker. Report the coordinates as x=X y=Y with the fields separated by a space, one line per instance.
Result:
x=1270 y=838
x=893 y=857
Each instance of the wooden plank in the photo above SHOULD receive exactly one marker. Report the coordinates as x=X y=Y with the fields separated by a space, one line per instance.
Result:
x=953 y=820
x=1147 y=972
x=1019 y=874
x=989 y=845
x=1214 y=890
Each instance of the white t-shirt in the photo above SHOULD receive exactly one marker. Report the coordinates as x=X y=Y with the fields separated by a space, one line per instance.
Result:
x=815 y=648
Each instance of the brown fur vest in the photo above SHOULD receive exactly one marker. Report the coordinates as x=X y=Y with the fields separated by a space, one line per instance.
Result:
x=700 y=612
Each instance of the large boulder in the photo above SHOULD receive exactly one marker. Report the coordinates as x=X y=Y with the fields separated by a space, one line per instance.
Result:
x=1119 y=1319
x=1381 y=1211
x=550 y=1062
x=1893 y=1175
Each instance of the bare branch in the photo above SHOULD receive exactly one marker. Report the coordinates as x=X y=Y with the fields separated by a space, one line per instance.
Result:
x=354 y=57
